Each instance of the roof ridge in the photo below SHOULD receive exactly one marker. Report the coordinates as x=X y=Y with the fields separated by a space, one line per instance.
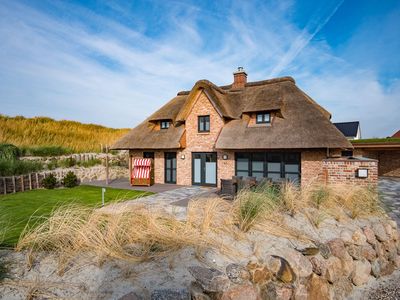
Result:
x=223 y=88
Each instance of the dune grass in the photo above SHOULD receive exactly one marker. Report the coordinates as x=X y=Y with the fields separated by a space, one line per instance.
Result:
x=41 y=135
x=138 y=233
x=34 y=207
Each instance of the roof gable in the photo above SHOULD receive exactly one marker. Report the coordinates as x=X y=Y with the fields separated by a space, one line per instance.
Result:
x=349 y=129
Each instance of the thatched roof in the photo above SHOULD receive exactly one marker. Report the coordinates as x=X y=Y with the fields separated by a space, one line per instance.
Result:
x=302 y=123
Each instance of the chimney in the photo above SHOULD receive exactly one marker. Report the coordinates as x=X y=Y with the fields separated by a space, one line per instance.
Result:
x=239 y=78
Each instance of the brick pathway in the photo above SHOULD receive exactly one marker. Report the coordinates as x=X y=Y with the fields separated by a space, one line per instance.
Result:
x=389 y=189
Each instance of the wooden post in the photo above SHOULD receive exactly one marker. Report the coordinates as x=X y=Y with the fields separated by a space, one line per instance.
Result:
x=107 y=164
x=30 y=181
x=13 y=181
x=22 y=183
x=130 y=166
x=5 y=186
x=37 y=180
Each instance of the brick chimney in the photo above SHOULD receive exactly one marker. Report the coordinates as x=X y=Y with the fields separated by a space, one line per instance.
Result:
x=239 y=78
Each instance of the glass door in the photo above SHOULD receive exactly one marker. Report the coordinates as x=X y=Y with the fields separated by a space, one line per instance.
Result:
x=170 y=167
x=204 y=168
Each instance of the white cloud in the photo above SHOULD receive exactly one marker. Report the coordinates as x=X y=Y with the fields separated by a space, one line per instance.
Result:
x=116 y=74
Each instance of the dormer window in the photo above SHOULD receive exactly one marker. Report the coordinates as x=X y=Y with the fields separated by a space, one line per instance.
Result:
x=263 y=118
x=164 y=124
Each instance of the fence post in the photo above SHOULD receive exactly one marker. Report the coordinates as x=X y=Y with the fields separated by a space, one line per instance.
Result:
x=37 y=180
x=5 y=186
x=13 y=181
x=22 y=183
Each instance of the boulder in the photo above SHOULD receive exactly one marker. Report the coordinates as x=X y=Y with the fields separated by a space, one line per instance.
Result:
x=170 y=294
x=131 y=296
x=360 y=252
x=380 y=232
x=359 y=237
x=387 y=267
x=241 y=292
x=370 y=235
x=237 y=273
x=396 y=262
x=301 y=292
x=337 y=248
x=333 y=269
x=318 y=288
x=211 y=280
x=346 y=236
x=362 y=269
x=389 y=230
x=342 y=288
x=273 y=264
x=393 y=224
x=196 y=292
x=376 y=268
x=278 y=291
x=299 y=263
x=347 y=265
x=285 y=272
x=390 y=248
x=324 y=250
x=319 y=265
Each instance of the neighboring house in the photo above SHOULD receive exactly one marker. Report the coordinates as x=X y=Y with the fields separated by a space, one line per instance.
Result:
x=268 y=128
x=351 y=130
x=396 y=135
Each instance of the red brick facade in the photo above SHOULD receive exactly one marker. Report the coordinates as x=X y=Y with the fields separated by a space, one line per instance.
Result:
x=389 y=160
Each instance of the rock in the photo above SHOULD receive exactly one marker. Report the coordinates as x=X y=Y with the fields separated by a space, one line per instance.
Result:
x=347 y=265
x=346 y=236
x=359 y=238
x=396 y=262
x=278 y=291
x=360 y=252
x=337 y=248
x=309 y=251
x=370 y=235
x=131 y=296
x=380 y=252
x=324 y=250
x=355 y=252
x=170 y=294
x=333 y=269
x=389 y=230
x=211 y=280
x=380 y=232
x=376 y=268
x=393 y=224
x=241 y=292
x=196 y=292
x=362 y=269
x=387 y=267
x=318 y=288
x=285 y=272
x=299 y=263
x=237 y=273
x=319 y=266
x=342 y=288
x=301 y=293
x=390 y=248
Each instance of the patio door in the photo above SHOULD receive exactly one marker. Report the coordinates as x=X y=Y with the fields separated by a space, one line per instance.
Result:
x=170 y=167
x=204 y=168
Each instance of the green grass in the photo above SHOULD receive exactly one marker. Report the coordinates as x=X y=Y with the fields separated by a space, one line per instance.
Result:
x=377 y=140
x=17 y=209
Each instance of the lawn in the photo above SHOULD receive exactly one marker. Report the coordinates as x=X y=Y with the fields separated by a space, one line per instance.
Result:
x=17 y=209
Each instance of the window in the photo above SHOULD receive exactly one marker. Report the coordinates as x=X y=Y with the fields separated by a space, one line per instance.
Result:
x=347 y=153
x=164 y=124
x=273 y=165
x=204 y=124
x=263 y=118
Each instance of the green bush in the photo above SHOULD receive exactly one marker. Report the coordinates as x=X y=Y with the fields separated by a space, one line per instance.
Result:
x=49 y=182
x=9 y=151
x=70 y=180
x=45 y=151
x=53 y=164
x=18 y=167
x=90 y=163
x=67 y=163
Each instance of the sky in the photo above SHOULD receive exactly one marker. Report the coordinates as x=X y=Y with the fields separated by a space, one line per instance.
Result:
x=115 y=62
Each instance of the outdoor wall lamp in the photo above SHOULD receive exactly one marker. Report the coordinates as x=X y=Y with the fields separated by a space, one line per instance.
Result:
x=183 y=156
x=225 y=156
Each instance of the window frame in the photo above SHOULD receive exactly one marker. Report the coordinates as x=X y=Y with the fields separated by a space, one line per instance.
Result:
x=263 y=118
x=203 y=119
x=165 y=122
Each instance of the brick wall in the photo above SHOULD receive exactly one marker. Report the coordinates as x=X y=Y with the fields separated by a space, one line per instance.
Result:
x=389 y=160
x=343 y=171
x=311 y=166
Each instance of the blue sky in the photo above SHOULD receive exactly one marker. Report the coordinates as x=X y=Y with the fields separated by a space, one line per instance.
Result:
x=115 y=62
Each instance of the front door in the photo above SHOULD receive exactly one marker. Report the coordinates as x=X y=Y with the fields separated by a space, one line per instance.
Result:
x=170 y=167
x=204 y=168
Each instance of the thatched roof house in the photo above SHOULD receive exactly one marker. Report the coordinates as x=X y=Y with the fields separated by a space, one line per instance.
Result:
x=233 y=124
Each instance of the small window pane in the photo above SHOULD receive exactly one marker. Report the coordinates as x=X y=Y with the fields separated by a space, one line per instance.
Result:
x=292 y=177
x=291 y=168
x=207 y=126
x=274 y=167
x=242 y=164
x=259 y=118
x=258 y=166
x=274 y=176
x=242 y=173
x=258 y=175
x=266 y=118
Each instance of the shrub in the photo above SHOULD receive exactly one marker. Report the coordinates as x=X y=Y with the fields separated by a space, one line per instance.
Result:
x=9 y=152
x=49 y=182
x=70 y=180
x=90 y=163
x=18 y=167
x=45 y=151
x=67 y=163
